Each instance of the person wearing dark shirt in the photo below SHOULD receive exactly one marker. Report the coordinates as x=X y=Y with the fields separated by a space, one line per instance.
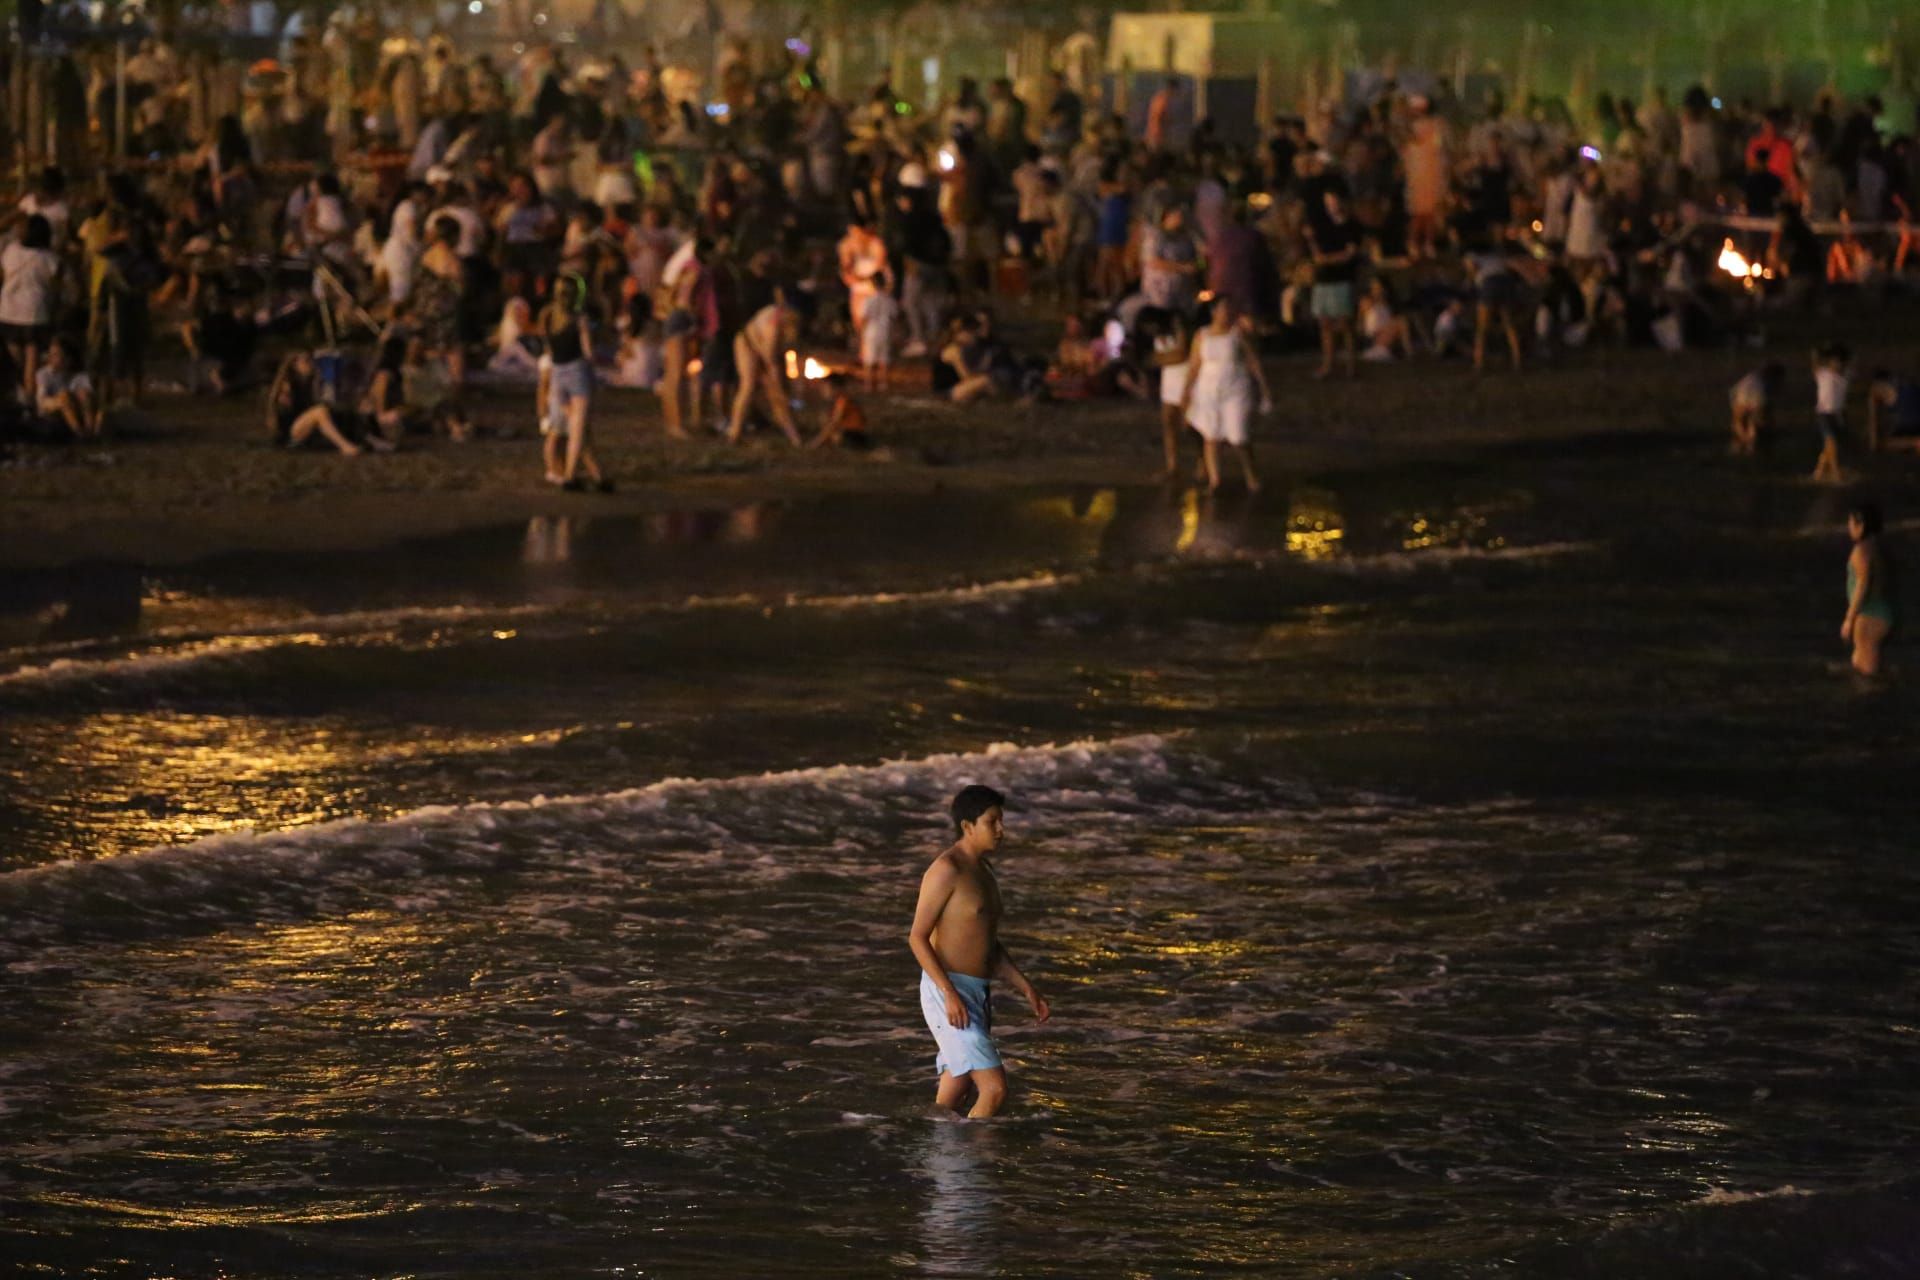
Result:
x=1282 y=147
x=1893 y=412
x=1797 y=249
x=1335 y=241
x=225 y=337
x=1761 y=188
x=1318 y=178
x=760 y=286
x=919 y=239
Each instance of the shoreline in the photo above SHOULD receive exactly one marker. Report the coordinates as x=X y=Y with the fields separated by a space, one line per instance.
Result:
x=173 y=490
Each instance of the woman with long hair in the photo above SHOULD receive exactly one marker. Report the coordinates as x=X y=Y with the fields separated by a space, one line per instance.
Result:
x=569 y=381
x=1870 y=614
x=1225 y=388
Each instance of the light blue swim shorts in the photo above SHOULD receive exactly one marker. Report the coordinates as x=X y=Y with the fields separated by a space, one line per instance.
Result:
x=961 y=1049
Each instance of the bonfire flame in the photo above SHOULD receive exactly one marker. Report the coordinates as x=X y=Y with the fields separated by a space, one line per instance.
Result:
x=812 y=370
x=1735 y=263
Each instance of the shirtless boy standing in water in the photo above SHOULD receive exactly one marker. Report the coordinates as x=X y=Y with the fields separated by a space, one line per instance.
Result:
x=956 y=939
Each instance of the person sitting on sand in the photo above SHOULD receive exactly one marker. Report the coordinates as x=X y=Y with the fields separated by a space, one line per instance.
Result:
x=297 y=416
x=1893 y=412
x=1751 y=398
x=63 y=396
x=846 y=424
x=1075 y=362
x=427 y=396
x=384 y=404
x=1870 y=610
x=1389 y=336
x=968 y=361
x=222 y=342
x=637 y=362
x=515 y=353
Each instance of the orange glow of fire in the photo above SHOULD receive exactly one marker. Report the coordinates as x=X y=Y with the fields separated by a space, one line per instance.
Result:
x=1735 y=263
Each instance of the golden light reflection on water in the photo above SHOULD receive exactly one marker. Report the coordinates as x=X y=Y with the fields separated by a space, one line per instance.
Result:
x=151 y=1216
x=1189 y=521
x=1316 y=529
x=164 y=607
x=242 y=772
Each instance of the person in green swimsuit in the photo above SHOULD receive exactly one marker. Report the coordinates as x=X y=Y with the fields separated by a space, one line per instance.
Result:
x=1869 y=591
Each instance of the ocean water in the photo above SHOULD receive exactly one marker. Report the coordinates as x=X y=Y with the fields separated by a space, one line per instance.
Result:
x=1464 y=871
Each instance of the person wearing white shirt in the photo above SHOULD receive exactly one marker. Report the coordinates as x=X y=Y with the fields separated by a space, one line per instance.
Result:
x=63 y=395
x=28 y=272
x=1830 y=363
x=49 y=200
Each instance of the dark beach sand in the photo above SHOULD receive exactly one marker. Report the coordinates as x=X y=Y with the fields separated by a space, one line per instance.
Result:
x=193 y=476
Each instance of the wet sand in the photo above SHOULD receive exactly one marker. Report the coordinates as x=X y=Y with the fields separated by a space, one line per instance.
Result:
x=194 y=476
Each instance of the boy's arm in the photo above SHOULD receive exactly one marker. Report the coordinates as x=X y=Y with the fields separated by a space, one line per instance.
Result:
x=1004 y=967
x=935 y=888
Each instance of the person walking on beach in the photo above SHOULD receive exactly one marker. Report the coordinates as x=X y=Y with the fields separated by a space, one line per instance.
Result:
x=1335 y=241
x=1172 y=349
x=956 y=939
x=1870 y=615
x=1751 y=399
x=1830 y=406
x=1223 y=375
x=568 y=390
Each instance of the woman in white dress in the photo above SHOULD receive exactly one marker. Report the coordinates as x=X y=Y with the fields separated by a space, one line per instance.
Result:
x=401 y=252
x=1172 y=349
x=1225 y=387
x=1586 y=219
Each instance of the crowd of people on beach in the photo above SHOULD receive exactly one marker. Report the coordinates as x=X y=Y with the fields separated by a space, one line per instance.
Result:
x=456 y=223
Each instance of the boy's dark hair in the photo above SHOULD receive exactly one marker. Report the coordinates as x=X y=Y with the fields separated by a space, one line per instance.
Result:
x=1871 y=524
x=1835 y=352
x=973 y=801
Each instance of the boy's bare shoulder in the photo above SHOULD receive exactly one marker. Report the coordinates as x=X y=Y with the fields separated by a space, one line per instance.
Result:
x=944 y=867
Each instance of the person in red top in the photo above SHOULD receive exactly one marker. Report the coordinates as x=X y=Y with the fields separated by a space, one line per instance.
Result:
x=1159 y=112
x=1778 y=149
x=846 y=423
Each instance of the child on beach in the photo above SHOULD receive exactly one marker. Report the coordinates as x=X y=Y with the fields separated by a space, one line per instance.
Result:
x=1172 y=349
x=1750 y=399
x=878 y=314
x=846 y=424
x=1893 y=413
x=1830 y=405
x=63 y=395
x=956 y=939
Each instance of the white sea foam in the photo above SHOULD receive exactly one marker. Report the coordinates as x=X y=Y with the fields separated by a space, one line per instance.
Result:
x=256 y=874
x=302 y=628
x=171 y=651
x=1723 y=1196
x=196 y=648
x=66 y=672
x=1397 y=562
